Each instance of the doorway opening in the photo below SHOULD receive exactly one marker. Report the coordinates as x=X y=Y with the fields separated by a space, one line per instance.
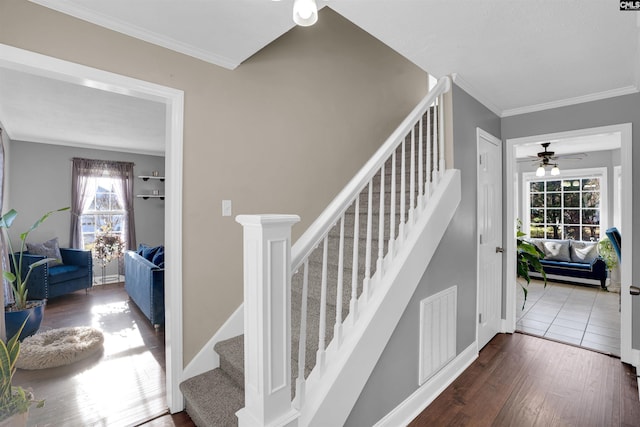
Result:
x=593 y=140
x=29 y=62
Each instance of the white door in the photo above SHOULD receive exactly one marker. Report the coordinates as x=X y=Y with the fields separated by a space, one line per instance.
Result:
x=489 y=237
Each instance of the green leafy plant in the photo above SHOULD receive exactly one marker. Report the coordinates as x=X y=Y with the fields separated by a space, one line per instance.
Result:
x=18 y=283
x=608 y=253
x=528 y=254
x=13 y=399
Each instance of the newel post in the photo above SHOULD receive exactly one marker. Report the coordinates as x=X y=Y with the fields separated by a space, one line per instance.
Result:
x=267 y=321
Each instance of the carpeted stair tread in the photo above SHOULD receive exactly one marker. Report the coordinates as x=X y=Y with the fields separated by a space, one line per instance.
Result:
x=231 y=354
x=213 y=399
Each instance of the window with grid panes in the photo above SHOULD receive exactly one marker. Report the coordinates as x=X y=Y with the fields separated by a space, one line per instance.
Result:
x=104 y=212
x=567 y=208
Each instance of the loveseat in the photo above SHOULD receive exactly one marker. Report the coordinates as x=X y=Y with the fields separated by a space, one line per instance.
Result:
x=144 y=281
x=571 y=260
x=50 y=281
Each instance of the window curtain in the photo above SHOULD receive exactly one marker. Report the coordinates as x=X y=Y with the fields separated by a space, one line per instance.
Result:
x=4 y=254
x=83 y=170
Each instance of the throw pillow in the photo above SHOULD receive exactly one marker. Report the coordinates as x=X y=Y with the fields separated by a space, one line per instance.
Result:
x=49 y=249
x=557 y=250
x=539 y=243
x=149 y=252
x=585 y=252
x=158 y=258
x=141 y=248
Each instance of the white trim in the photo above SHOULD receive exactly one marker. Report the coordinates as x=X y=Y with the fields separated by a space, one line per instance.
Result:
x=411 y=407
x=571 y=101
x=596 y=172
x=625 y=131
x=132 y=30
x=34 y=63
x=484 y=100
x=207 y=358
x=617 y=199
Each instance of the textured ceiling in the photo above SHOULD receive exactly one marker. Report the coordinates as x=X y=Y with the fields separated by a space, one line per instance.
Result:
x=514 y=56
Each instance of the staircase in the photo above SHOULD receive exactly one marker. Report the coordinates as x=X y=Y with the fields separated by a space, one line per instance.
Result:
x=341 y=271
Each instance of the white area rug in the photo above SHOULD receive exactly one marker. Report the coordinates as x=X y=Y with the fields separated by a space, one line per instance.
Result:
x=59 y=347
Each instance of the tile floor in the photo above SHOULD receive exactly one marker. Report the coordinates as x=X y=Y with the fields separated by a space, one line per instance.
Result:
x=576 y=314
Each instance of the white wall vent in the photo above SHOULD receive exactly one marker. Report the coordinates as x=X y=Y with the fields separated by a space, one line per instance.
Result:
x=438 y=315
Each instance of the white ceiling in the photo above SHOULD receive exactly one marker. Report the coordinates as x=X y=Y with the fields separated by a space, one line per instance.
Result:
x=514 y=56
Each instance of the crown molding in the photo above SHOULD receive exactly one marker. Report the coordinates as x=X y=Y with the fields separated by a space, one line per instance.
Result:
x=137 y=32
x=484 y=100
x=627 y=90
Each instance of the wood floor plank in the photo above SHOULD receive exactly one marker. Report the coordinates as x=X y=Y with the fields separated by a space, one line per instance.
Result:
x=520 y=380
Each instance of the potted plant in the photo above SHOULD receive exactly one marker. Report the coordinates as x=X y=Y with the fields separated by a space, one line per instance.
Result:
x=608 y=254
x=22 y=310
x=14 y=400
x=528 y=255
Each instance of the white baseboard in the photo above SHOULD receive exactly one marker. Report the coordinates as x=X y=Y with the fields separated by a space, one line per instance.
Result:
x=207 y=359
x=405 y=412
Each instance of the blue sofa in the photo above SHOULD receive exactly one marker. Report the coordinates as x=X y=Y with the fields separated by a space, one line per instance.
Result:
x=75 y=273
x=571 y=260
x=144 y=282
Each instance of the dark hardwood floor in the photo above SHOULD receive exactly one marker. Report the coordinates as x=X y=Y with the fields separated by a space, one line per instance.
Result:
x=521 y=380
x=517 y=380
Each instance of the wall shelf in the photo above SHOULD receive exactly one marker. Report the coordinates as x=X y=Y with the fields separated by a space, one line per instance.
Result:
x=148 y=177
x=153 y=193
x=150 y=196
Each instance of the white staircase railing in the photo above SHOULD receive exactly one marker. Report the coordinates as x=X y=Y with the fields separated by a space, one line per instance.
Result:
x=415 y=154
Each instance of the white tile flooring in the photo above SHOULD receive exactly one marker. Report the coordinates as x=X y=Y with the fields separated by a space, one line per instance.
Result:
x=575 y=314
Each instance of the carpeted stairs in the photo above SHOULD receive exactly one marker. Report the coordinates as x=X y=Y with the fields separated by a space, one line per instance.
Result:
x=213 y=398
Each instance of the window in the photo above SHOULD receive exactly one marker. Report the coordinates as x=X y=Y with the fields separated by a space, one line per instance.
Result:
x=570 y=207
x=104 y=212
x=101 y=202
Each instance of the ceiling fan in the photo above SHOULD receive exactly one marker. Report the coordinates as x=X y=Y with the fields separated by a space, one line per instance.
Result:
x=548 y=158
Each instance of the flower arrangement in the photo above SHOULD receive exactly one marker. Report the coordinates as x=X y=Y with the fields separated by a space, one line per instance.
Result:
x=107 y=246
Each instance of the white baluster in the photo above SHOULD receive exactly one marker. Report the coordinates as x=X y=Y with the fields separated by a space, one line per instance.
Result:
x=420 y=166
x=367 y=269
x=403 y=191
x=323 y=308
x=353 y=306
x=337 y=329
x=302 y=343
x=441 y=165
x=412 y=174
x=381 y=226
x=436 y=144
x=428 y=178
x=267 y=320
x=392 y=205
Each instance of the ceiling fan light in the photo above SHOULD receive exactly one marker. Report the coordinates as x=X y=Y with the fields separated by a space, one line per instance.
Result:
x=555 y=171
x=540 y=171
x=305 y=12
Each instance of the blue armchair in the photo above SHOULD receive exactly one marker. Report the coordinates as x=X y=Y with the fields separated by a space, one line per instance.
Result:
x=75 y=273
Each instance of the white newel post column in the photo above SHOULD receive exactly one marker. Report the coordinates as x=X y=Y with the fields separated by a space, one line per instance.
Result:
x=267 y=321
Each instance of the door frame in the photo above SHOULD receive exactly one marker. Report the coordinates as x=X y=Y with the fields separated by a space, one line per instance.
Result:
x=627 y=355
x=481 y=133
x=50 y=67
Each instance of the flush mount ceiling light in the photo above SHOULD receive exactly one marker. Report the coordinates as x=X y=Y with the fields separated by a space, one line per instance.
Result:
x=305 y=12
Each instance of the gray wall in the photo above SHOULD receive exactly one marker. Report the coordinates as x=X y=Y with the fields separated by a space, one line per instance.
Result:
x=395 y=376
x=622 y=109
x=39 y=180
x=594 y=159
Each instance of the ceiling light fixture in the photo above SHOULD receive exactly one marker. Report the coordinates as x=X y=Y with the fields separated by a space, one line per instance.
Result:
x=540 y=171
x=555 y=171
x=305 y=12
